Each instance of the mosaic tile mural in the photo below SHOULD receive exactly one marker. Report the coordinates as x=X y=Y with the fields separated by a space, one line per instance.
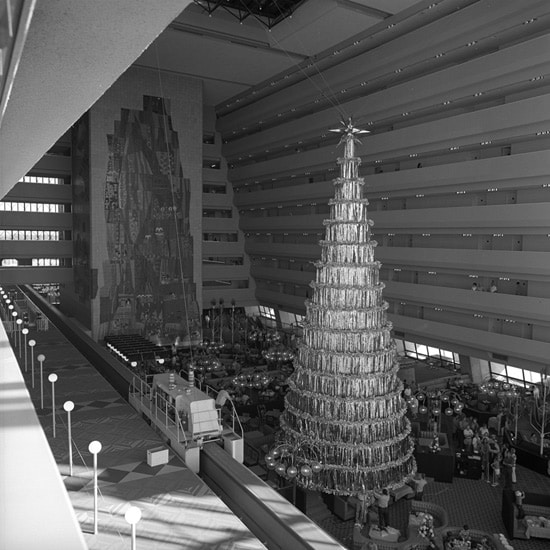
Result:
x=149 y=286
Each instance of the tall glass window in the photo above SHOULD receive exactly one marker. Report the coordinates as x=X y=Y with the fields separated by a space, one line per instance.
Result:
x=514 y=375
x=436 y=356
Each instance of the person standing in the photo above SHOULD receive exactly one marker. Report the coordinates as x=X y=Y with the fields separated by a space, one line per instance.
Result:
x=420 y=483
x=485 y=459
x=496 y=470
x=514 y=460
x=494 y=448
x=507 y=464
x=468 y=435
x=383 y=503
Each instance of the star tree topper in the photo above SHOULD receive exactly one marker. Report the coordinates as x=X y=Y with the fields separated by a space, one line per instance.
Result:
x=349 y=137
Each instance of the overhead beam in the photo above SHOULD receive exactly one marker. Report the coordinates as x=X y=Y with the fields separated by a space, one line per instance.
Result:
x=74 y=51
x=361 y=8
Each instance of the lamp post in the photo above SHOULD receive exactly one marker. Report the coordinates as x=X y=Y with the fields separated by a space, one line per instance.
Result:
x=32 y=343
x=545 y=379
x=19 y=322
x=53 y=379
x=132 y=516
x=10 y=309
x=69 y=406
x=515 y=395
x=213 y=304
x=14 y=316
x=509 y=396
x=221 y=320
x=41 y=358
x=25 y=331
x=95 y=447
x=233 y=323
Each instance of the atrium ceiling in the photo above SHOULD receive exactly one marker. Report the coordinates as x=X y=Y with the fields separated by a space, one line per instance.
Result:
x=63 y=56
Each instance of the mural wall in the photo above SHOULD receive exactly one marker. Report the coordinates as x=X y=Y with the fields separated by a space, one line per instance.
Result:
x=149 y=270
x=146 y=172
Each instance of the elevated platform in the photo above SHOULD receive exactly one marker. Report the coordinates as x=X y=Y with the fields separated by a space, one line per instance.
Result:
x=178 y=508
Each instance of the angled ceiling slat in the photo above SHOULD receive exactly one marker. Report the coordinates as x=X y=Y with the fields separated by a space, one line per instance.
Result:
x=68 y=61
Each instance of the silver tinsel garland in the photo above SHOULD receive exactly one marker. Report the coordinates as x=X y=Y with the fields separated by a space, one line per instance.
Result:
x=349 y=254
x=356 y=387
x=340 y=339
x=348 y=296
x=341 y=363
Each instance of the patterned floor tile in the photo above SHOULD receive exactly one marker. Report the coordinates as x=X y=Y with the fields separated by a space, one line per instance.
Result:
x=133 y=476
x=110 y=475
x=127 y=467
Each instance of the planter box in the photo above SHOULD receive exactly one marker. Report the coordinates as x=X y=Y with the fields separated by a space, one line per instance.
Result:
x=157 y=456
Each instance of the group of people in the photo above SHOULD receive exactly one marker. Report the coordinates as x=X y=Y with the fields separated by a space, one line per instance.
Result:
x=492 y=288
x=498 y=461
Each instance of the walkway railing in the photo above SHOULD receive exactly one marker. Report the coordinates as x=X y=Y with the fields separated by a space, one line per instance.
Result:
x=162 y=410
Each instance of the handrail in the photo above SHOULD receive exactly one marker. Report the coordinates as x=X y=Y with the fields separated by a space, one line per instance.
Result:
x=234 y=413
x=181 y=428
x=251 y=452
x=167 y=406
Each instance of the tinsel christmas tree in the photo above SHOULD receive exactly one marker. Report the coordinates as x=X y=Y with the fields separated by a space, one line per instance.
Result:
x=344 y=418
